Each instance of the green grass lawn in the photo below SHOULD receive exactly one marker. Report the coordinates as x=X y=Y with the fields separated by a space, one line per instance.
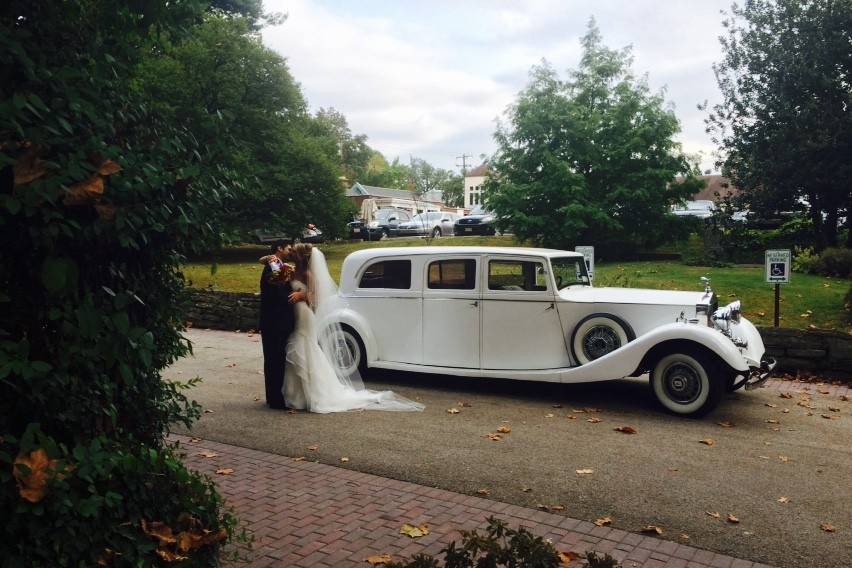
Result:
x=807 y=300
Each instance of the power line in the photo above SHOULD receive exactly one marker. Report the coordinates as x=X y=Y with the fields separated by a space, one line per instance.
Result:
x=463 y=159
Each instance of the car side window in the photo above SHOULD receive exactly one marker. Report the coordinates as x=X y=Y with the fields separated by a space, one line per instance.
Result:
x=404 y=217
x=387 y=274
x=456 y=274
x=517 y=275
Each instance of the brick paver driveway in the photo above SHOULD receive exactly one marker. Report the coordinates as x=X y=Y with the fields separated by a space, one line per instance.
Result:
x=766 y=448
x=306 y=513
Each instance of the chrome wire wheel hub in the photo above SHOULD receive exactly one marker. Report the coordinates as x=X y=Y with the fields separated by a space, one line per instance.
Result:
x=682 y=383
x=599 y=341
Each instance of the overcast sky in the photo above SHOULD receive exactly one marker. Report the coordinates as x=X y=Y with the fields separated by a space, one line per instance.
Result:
x=430 y=78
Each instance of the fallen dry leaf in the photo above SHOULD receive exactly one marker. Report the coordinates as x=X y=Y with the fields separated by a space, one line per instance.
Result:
x=565 y=558
x=626 y=429
x=827 y=417
x=548 y=415
x=231 y=365
x=823 y=391
x=602 y=522
x=593 y=420
x=208 y=454
x=526 y=489
x=195 y=440
x=224 y=471
x=208 y=411
x=313 y=448
x=344 y=460
x=784 y=499
x=726 y=424
x=504 y=429
x=783 y=459
x=733 y=519
x=557 y=507
x=714 y=514
x=770 y=405
x=684 y=536
x=772 y=421
x=299 y=459
x=414 y=531
x=785 y=395
x=707 y=441
x=494 y=437
x=483 y=491
x=833 y=409
x=827 y=527
x=464 y=404
x=379 y=559
x=844 y=398
x=652 y=529
x=453 y=411
x=32 y=481
x=585 y=471
x=556 y=406
x=571 y=417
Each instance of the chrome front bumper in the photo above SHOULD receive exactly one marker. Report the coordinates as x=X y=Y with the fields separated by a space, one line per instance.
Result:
x=758 y=375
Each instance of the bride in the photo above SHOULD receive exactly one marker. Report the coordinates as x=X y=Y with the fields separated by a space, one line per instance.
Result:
x=314 y=377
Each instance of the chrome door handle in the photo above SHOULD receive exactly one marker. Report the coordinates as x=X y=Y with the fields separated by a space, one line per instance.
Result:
x=475 y=304
x=550 y=307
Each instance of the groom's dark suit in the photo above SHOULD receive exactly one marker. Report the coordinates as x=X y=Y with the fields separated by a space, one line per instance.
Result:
x=276 y=324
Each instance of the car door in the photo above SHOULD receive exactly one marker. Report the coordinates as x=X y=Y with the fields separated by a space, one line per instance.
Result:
x=451 y=311
x=389 y=299
x=521 y=328
x=446 y=224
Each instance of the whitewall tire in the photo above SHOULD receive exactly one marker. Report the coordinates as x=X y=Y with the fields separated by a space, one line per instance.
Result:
x=684 y=383
x=357 y=353
x=598 y=335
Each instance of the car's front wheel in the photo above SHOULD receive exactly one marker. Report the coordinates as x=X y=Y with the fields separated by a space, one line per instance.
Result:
x=687 y=383
x=354 y=356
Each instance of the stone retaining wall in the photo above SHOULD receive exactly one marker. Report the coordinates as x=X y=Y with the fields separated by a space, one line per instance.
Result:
x=795 y=349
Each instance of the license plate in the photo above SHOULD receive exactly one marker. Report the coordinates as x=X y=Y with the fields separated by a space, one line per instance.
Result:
x=468 y=230
x=356 y=230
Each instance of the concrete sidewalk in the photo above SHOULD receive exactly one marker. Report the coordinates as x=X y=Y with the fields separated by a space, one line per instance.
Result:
x=304 y=513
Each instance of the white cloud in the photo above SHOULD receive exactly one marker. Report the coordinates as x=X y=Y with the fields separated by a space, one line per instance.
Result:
x=428 y=79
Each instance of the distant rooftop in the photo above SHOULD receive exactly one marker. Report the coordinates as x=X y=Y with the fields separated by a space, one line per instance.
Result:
x=480 y=170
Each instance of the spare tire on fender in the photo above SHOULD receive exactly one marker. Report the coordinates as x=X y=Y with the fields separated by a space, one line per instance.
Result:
x=597 y=335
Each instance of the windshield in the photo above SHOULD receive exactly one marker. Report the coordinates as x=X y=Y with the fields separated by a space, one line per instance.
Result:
x=569 y=271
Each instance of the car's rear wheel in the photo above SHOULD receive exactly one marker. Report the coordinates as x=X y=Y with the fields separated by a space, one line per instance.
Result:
x=436 y=232
x=687 y=383
x=356 y=360
x=598 y=335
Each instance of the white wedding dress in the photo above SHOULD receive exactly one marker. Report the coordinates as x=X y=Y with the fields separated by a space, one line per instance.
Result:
x=312 y=380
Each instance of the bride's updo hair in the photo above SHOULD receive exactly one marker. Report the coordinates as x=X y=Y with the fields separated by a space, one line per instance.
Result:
x=301 y=255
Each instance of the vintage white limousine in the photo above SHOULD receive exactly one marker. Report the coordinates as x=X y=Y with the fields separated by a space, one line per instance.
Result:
x=533 y=314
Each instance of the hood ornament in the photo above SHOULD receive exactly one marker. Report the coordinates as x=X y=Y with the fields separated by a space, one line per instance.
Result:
x=706 y=281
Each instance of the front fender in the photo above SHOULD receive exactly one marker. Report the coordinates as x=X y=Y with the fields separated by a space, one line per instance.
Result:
x=626 y=360
x=357 y=322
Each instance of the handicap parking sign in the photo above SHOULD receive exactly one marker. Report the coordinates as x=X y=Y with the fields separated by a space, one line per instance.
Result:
x=778 y=266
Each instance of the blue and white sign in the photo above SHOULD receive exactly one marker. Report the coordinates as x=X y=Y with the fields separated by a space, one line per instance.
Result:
x=778 y=266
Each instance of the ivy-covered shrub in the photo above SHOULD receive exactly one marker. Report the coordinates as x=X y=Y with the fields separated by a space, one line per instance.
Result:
x=503 y=546
x=100 y=198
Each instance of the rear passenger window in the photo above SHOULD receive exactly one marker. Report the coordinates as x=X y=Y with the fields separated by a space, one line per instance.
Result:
x=387 y=274
x=453 y=274
x=518 y=275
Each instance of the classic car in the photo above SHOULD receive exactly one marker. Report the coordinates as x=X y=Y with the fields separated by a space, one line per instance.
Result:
x=432 y=223
x=385 y=224
x=533 y=314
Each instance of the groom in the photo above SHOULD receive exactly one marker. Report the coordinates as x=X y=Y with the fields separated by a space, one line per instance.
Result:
x=276 y=324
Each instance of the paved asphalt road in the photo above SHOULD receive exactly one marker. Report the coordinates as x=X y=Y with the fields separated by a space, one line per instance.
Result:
x=662 y=475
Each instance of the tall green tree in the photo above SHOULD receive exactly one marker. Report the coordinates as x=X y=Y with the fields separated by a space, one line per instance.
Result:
x=785 y=121
x=452 y=189
x=240 y=99
x=589 y=159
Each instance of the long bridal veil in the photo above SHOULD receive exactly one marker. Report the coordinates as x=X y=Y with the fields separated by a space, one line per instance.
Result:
x=326 y=300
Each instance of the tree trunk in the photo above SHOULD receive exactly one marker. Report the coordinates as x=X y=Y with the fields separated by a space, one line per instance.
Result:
x=816 y=219
x=830 y=228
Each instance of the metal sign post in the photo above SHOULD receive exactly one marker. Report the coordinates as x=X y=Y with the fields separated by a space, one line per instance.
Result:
x=588 y=253
x=777 y=273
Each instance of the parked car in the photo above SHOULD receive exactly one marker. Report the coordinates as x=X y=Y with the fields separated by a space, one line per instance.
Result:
x=432 y=223
x=384 y=225
x=479 y=222
x=533 y=314
x=701 y=208
x=310 y=234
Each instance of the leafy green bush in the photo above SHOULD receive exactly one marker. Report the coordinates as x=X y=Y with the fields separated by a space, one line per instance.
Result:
x=836 y=262
x=502 y=546
x=805 y=260
x=100 y=199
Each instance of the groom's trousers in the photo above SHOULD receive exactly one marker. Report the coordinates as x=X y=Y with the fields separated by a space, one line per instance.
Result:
x=274 y=354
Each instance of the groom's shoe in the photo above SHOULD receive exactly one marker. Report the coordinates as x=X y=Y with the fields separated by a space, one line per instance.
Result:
x=276 y=405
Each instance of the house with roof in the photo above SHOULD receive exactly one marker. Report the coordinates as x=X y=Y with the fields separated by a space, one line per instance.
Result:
x=384 y=197
x=474 y=180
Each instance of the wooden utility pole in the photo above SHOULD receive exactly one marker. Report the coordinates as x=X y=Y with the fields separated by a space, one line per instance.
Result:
x=463 y=159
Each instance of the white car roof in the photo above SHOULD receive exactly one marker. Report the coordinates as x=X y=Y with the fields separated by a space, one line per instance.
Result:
x=367 y=254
